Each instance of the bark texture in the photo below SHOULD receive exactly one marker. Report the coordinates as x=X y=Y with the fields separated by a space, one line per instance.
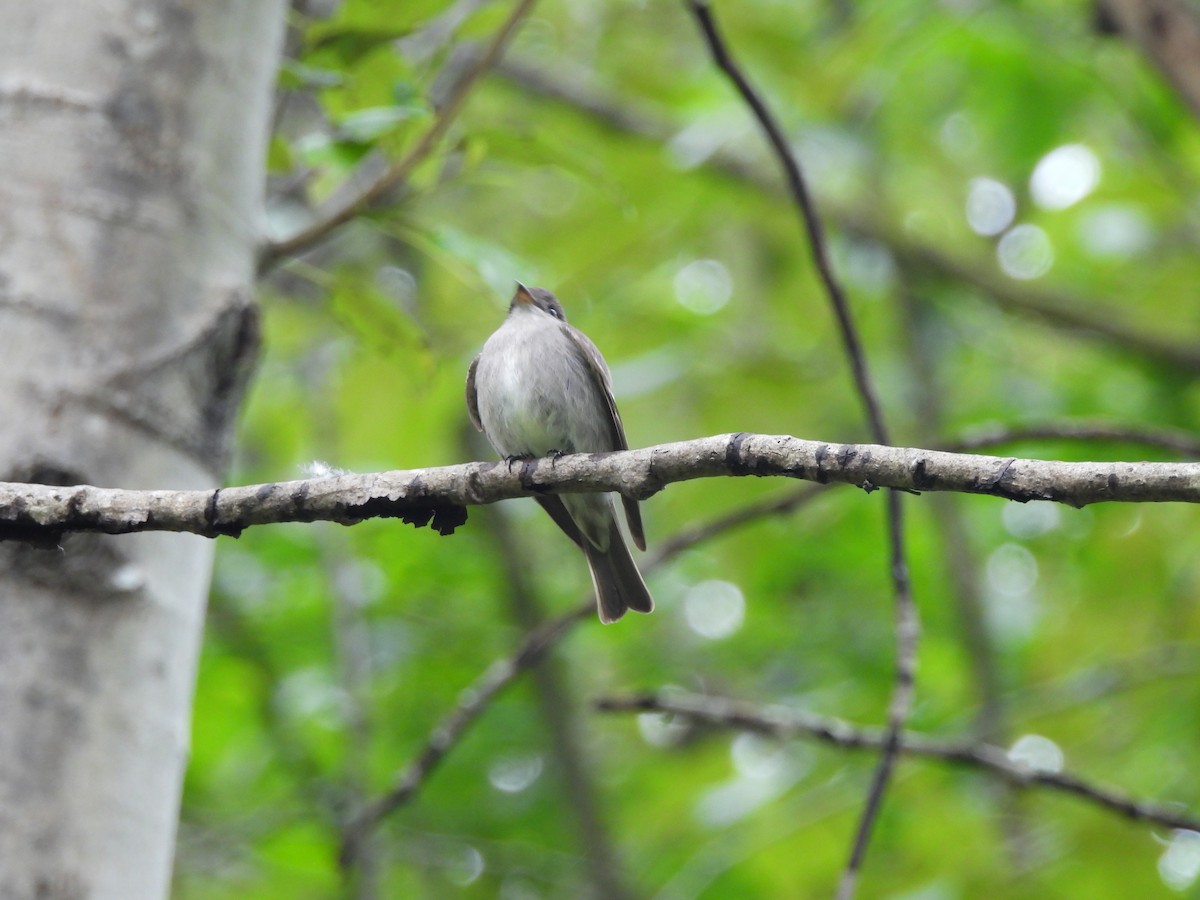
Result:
x=132 y=136
x=438 y=497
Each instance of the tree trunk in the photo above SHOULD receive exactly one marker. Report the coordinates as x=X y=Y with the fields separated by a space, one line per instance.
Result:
x=132 y=140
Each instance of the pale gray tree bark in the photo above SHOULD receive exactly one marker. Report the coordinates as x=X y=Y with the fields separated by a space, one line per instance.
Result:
x=132 y=137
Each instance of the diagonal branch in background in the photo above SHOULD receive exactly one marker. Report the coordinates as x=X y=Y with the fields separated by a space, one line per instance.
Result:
x=1054 y=307
x=40 y=512
x=788 y=724
x=503 y=672
x=1085 y=317
x=698 y=534
x=907 y=622
x=399 y=171
x=450 y=730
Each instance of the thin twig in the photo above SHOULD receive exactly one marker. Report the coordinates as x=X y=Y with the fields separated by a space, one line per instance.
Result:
x=907 y=624
x=744 y=515
x=473 y=701
x=503 y=672
x=786 y=724
x=808 y=212
x=1056 y=307
x=1183 y=443
x=399 y=171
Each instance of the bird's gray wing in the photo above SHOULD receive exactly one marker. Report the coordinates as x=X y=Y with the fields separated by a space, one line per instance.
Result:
x=472 y=398
x=558 y=512
x=616 y=431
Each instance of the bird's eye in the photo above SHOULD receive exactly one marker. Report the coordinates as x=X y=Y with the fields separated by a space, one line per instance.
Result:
x=554 y=311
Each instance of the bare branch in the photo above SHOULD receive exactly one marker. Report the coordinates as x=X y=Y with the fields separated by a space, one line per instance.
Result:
x=789 y=724
x=808 y=214
x=399 y=171
x=536 y=644
x=1105 y=323
x=906 y=619
x=503 y=672
x=775 y=506
x=1184 y=443
x=450 y=730
x=438 y=496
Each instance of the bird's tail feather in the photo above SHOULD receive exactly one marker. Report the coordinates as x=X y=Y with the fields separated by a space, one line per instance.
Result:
x=619 y=585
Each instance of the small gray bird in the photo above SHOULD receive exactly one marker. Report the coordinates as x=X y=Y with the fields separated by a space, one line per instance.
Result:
x=538 y=388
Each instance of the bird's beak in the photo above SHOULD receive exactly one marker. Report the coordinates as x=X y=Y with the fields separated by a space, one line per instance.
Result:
x=522 y=296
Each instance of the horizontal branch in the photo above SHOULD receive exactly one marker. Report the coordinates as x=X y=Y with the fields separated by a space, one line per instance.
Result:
x=439 y=496
x=786 y=724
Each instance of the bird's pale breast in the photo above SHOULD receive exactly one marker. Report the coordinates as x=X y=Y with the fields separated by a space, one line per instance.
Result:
x=535 y=392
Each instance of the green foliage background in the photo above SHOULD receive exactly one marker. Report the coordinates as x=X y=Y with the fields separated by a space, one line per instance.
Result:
x=331 y=653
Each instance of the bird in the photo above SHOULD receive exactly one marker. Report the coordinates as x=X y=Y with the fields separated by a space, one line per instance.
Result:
x=540 y=387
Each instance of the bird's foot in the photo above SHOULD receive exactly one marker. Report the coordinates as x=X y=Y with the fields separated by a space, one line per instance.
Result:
x=517 y=458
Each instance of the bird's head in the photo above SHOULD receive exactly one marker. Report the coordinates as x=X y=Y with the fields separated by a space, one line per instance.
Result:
x=537 y=299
